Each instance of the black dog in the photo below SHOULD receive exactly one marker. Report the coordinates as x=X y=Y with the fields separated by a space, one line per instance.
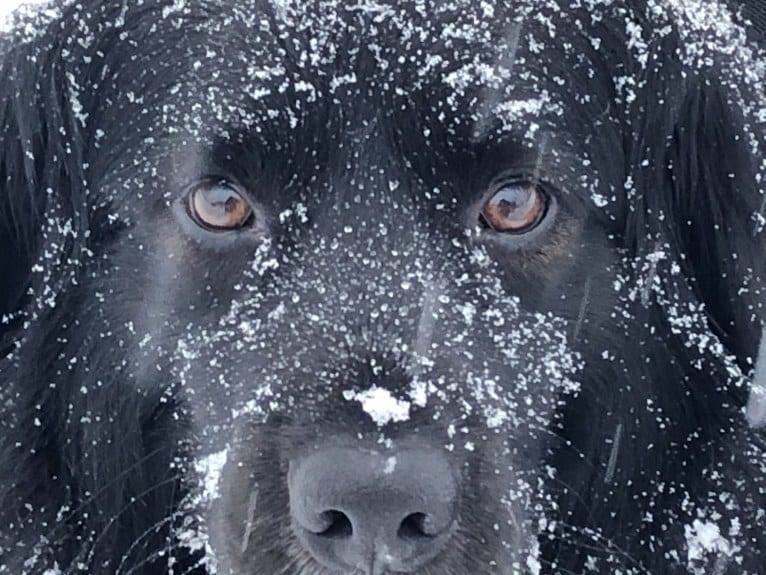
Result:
x=382 y=287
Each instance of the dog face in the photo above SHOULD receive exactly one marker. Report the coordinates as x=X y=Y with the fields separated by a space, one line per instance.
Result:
x=380 y=289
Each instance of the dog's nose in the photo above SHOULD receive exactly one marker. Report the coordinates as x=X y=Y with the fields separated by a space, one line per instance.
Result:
x=373 y=512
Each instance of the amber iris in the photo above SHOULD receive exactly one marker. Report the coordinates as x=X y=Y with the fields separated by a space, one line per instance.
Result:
x=218 y=205
x=514 y=208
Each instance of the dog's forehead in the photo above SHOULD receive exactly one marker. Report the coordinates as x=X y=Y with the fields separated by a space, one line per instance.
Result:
x=330 y=39
x=290 y=58
x=268 y=62
x=260 y=62
x=263 y=71
x=299 y=76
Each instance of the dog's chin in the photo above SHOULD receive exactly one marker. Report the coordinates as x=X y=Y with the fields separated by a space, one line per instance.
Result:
x=290 y=556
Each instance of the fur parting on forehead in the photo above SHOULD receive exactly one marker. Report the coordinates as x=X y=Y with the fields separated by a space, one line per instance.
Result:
x=755 y=411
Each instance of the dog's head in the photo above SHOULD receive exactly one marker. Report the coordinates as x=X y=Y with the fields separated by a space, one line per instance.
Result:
x=406 y=288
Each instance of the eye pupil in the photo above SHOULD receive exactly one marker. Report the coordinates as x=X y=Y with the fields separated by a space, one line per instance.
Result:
x=218 y=205
x=232 y=204
x=514 y=208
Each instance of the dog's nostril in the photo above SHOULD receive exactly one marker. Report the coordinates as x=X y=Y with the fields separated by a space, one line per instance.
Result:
x=415 y=526
x=352 y=506
x=338 y=525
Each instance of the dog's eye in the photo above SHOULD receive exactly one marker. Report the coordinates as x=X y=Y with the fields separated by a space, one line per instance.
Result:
x=218 y=205
x=515 y=208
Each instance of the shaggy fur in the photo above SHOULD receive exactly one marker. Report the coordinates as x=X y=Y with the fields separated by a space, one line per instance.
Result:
x=587 y=379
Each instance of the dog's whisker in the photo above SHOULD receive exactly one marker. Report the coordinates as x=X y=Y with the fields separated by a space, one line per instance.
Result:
x=251 y=507
x=583 y=308
x=542 y=148
x=426 y=323
x=612 y=463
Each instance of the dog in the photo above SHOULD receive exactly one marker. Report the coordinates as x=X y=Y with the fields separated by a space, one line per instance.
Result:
x=378 y=288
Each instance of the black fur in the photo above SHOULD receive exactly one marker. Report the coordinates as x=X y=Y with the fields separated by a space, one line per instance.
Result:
x=129 y=337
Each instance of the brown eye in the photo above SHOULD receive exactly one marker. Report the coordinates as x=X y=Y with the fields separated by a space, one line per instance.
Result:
x=218 y=205
x=514 y=208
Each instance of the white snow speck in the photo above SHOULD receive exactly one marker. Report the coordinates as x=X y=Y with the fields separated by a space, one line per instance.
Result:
x=7 y=8
x=704 y=538
x=380 y=405
x=533 y=559
x=210 y=468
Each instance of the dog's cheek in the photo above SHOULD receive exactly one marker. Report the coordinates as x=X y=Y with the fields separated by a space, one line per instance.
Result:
x=556 y=274
x=155 y=286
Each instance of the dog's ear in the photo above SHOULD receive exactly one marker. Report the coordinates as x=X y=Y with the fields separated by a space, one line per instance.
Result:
x=714 y=162
x=41 y=176
x=18 y=213
x=702 y=208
